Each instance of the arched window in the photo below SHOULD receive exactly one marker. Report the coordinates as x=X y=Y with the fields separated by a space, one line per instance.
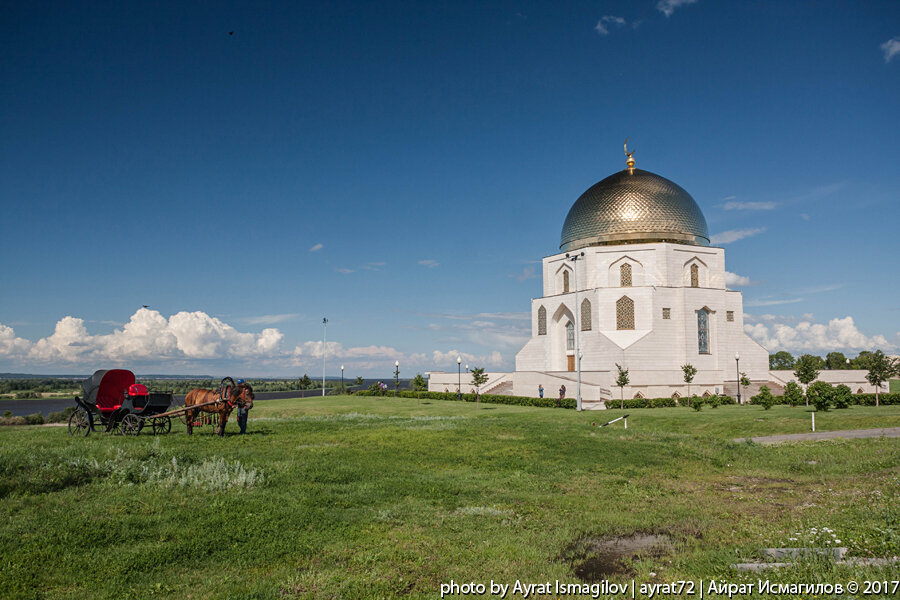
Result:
x=638 y=396
x=542 y=321
x=624 y=313
x=703 y=331
x=565 y=282
x=676 y=396
x=706 y=394
x=585 y=315
x=570 y=336
x=695 y=276
x=625 y=275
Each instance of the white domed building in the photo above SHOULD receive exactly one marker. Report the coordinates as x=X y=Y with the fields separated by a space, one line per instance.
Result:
x=635 y=283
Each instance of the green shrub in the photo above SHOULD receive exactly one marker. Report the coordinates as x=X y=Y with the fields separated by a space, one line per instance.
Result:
x=869 y=399
x=793 y=393
x=820 y=395
x=61 y=416
x=714 y=401
x=35 y=419
x=697 y=403
x=842 y=397
x=764 y=398
x=7 y=413
x=27 y=395
x=643 y=403
x=13 y=421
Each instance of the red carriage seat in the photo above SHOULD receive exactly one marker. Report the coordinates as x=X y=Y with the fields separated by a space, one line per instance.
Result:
x=137 y=389
x=113 y=386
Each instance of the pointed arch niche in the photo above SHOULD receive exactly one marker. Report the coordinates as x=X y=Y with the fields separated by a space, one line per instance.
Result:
x=625 y=272
x=562 y=330
x=696 y=273
x=565 y=280
x=542 y=320
x=586 y=316
x=624 y=313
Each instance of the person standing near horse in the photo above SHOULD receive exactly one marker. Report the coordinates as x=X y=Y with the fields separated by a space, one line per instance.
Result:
x=221 y=402
x=242 y=412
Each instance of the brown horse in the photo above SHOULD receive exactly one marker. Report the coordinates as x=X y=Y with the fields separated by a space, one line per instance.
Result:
x=237 y=396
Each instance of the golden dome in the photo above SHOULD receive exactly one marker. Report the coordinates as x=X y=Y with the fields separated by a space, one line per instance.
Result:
x=633 y=206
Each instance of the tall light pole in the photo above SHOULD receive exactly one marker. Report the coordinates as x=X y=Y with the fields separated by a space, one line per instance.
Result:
x=324 y=351
x=574 y=258
x=459 y=377
x=396 y=377
x=737 y=366
x=342 y=380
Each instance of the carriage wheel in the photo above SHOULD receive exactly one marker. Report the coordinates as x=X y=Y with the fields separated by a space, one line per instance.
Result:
x=162 y=425
x=130 y=425
x=79 y=424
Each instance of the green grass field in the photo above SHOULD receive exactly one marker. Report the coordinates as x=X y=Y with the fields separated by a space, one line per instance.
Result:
x=352 y=497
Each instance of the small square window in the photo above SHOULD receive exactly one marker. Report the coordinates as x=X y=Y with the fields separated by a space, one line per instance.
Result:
x=729 y=316
x=667 y=313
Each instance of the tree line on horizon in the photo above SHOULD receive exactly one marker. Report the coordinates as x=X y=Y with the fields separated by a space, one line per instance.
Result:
x=833 y=361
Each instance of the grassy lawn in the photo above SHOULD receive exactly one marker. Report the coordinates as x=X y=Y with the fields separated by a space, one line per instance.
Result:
x=350 y=497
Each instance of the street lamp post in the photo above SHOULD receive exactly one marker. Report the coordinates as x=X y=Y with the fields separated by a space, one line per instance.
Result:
x=574 y=258
x=396 y=377
x=324 y=350
x=459 y=377
x=342 y=380
x=737 y=366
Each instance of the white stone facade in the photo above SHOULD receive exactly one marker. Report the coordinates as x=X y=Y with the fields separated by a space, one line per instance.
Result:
x=664 y=335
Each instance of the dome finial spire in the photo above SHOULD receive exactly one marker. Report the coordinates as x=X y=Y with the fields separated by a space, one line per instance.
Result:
x=630 y=161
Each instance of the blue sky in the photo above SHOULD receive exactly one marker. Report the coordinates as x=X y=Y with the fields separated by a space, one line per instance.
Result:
x=401 y=168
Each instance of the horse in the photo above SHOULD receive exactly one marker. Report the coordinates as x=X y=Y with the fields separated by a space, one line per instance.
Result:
x=239 y=395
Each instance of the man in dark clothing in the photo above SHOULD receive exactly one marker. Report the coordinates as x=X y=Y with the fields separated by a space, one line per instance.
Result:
x=562 y=394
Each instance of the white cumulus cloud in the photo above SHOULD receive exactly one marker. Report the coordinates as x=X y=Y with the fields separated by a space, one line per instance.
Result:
x=429 y=263
x=733 y=279
x=807 y=336
x=605 y=21
x=148 y=335
x=891 y=48
x=667 y=7
x=733 y=235
x=443 y=359
x=316 y=248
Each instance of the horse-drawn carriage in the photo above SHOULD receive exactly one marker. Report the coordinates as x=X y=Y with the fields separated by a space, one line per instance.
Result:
x=114 y=399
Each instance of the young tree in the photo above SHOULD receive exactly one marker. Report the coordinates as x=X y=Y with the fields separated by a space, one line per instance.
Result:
x=479 y=378
x=842 y=396
x=880 y=368
x=806 y=370
x=764 y=398
x=622 y=381
x=835 y=361
x=793 y=393
x=820 y=394
x=358 y=381
x=419 y=385
x=305 y=382
x=781 y=360
x=689 y=372
x=745 y=383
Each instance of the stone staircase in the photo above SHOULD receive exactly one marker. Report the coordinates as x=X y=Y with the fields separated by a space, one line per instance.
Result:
x=503 y=387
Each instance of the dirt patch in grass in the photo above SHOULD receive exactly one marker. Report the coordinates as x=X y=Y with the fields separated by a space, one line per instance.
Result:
x=594 y=559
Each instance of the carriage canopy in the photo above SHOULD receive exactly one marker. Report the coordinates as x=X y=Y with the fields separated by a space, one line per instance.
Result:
x=106 y=389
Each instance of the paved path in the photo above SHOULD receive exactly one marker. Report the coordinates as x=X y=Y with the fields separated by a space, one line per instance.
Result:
x=825 y=435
